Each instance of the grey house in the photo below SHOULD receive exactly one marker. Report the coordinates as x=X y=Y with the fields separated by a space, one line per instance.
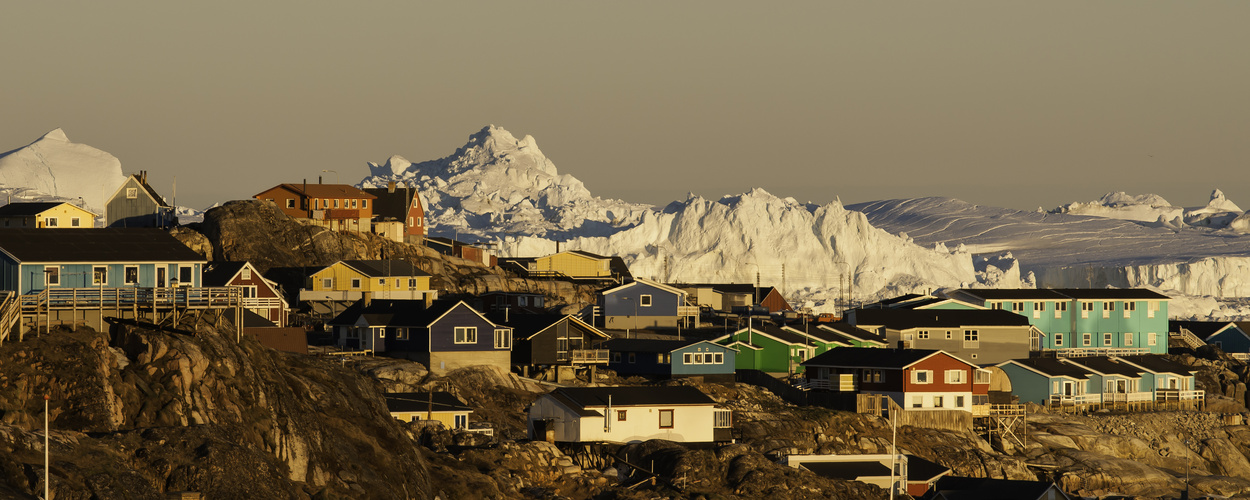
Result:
x=646 y=304
x=136 y=204
x=979 y=336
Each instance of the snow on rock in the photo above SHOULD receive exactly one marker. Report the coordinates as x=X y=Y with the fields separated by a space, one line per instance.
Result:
x=54 y=169
x=1119 y=205
x=498 y=184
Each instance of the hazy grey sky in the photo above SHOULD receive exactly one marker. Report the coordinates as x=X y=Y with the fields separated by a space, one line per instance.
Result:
x=1018 y=104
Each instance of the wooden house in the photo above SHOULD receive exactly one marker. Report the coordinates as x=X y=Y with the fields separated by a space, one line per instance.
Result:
x=443 y=335
x=260 y=295
x=523 y=302
x=918 y=301
x=397 y=213
x=916 y=379
x=382 y=279
x=440 y=406
x=34 y=259
x=769 y=348
x=980 y=336
x=468 y=251
x=136 y=204
x=913 y=476
x=724 y=297
x=967 y=488
x=1167 y=380
x=672 y=358
x=553 y=339
x=681 y=414
x=1053 y=382
x=339 y=207
x=574 y=265
x=646 y=304
x=45 y=215
x=1089 y=383
x=852 y=335
x=1228 y=336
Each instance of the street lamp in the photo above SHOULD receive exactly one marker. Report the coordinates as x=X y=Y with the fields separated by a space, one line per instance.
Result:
x=337 y=180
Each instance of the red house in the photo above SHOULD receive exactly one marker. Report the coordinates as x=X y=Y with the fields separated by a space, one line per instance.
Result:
x=400 y=205
x=260 y=295
x=336 y=206
x=913 y=378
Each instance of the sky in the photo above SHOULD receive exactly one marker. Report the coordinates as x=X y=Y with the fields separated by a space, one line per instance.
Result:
x=1013 y=104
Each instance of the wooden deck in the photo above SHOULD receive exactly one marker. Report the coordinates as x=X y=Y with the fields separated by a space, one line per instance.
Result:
x=38 y=312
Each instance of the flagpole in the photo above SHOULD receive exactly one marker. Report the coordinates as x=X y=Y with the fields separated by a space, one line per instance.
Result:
x=47 y=479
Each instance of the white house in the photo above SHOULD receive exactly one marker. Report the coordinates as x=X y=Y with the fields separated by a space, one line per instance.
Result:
x=628 y=415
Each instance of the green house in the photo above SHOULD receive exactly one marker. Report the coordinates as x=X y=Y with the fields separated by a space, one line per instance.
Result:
x=770 y=348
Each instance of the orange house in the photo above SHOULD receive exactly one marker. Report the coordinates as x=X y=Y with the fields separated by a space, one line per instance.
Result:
x=336 y=206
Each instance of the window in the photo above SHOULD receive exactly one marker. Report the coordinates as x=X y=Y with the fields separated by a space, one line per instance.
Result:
x=1106 y=339
x=937 y=402
x=948 y=335
x=520 y=301
x=327 y=283
x=917 y=401
x=503 y=338
x=336 y=203
x=132 y=193
x=1152 y=338
x=381 y=332
x=956 y=377
x=718 y=358
x=462 y=421
x=355 y=282
x=982 y=377
x=49 y=222
x=687 y=358
x=922 y=334
x=1058 y=340
x=866 y=376
x=876 y=375
x=99 y=275
x=631 y=357
x=399 y=283
x=1039 y=306
x=616 y=357
x=364 y=203
x=1060 y=308
x=184 y=275
x=620 y=415
x=401 y=334
x=353 y=203
x=1108 y=306
x=959 y=401
x=1128 y=339
x=644 y=301
x=1130 y=306
x=53 y=273
x=412 y=282
x=659 y=358
x=132 y=275
x=382 y=281
x=1151 y=307
x=997 y=306
x=247 y=273
x=1086 y=307
x=1017 y=307
x=290 y=203
x=921 y=376
x=971 y=336
x=1087 y=339
x=466 y=335
x=666 y=419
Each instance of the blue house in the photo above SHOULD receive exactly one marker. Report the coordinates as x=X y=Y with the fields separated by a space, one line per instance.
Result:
x=646 y=304
x=441 y=334
x=34 y=259
x=672 y=358
x=1093 y=382
x=1167 y=379
x=1054 y=382
x=1228 y=336
x=1119 y=382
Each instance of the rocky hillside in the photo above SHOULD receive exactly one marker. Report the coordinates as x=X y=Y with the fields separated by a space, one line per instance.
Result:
x=139 y=412
x=257 y=231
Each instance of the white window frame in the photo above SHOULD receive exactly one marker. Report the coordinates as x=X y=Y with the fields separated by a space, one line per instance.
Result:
x=916 y=375
x=1152 y=338
x=671 y=418
x=132 y=193
x=465 y=335
x=718 y=358
x=356 y=283
x=52 y=275
x=290 y=202
x=50 y=222
x=922 y=334
x=1128 y=339
x=126 y=275
x=1058 y=339
x=644 y=301
x=99 y=279
x=1107 y=339
x=1017 y=306
x=503 y=339
x=247 y=273
x=1087 y=339
x=956 y=376
x=327 y=282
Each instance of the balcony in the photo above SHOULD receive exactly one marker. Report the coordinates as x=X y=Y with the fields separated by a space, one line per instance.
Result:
x=589 y=356
x=1077 y=399
x=1126 y=397
x=1082 y=352
x=1164 y=395
x=353 y=295
x=687 y=311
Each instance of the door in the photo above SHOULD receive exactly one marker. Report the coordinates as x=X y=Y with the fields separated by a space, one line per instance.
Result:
x=1067 y=389
x=160 y=275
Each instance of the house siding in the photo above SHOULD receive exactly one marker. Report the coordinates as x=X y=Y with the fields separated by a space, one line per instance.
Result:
x=996 y=344
x=1072 y=323
x=618 y=310
x=140 y=211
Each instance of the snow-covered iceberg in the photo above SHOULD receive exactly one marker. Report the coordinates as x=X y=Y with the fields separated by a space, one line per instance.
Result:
x=54 y=169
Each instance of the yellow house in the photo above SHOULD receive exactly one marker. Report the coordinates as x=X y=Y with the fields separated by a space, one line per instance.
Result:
x=439 y=406
x=383 y=279
x=46 y=214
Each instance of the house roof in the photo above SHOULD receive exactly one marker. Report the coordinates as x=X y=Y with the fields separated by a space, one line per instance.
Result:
x=1052 y=367
x=845 y=329
x=1107 y=366
x=871 y=357
x=425 y=401
x=526 y=326
x=921 y=470
x=1157 y=363
x=771 y=330
x=393 y=312
x=218 y=273
x=980 y=488
x=644 y=281
x=28 y=208
x=325 y=190
x=388 y=205
x=587 y=397
x=1063 y=293
x=1202 y=329
x=650 y=345
x=98 y=245
x=903 y=319
x=847 y=471
x=384 y=268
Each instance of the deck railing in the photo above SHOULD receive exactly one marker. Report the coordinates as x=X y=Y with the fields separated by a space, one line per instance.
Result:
x=589 y=356
x=1179 y=395
x=1126 y=397
x=1098 y=351
x=180 y=296
x=1078 y=399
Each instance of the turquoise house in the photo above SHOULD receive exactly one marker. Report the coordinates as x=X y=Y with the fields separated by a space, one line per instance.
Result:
x=1051 y=382
x=1167 y=379
x=1107 y=321
x=32 y=260
x=672 y=358
x=770 y=348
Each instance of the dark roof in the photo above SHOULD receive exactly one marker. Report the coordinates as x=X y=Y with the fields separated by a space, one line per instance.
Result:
x=1202 y=329
x=846 y=330
x=869 y=356
x=1107 y=366
x=526 y=325
x=646 y=345
x=325 y=190
x=218 y=273
x=902 y=319
x=390 y=205
x=921 y=470
x=421 y=401
x=394 y=312
x=27 y=208
x=583 y=397
x=777 y=332
x=888 y=302
x=980 y=488
x=385 y=268
x=141 y=179
x=251 y=319
x=1062 y=293
x=847 y=471
x=1054 y=367
x=1157 y=363
x=97 y=245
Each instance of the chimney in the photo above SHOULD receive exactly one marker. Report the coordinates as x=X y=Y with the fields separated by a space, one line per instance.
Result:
x=390 y=187
x=143 y=176
x=318 y=179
